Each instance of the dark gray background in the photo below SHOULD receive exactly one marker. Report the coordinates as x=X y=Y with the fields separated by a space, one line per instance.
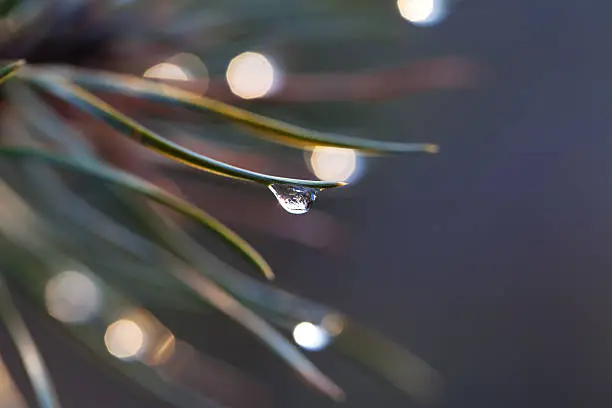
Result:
x=492 y=260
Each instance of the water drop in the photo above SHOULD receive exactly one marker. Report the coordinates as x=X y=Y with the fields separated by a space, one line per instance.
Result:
x=294 y=199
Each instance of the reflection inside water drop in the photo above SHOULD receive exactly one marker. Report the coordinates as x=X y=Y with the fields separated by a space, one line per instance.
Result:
x=294 y=199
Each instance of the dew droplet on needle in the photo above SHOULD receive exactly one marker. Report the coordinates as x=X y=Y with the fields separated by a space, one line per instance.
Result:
x=294 y=199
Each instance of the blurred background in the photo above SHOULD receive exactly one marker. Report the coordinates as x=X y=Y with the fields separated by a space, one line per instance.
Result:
x=489 y=260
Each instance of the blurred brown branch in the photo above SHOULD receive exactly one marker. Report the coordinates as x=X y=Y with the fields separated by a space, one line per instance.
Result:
x=389 y=83
x=444 y=73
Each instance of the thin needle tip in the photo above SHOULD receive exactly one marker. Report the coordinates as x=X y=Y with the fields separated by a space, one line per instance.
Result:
x=269 y=274
x=329 y=388
x=337 y=394
x=340 y=396
x=432 y=148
